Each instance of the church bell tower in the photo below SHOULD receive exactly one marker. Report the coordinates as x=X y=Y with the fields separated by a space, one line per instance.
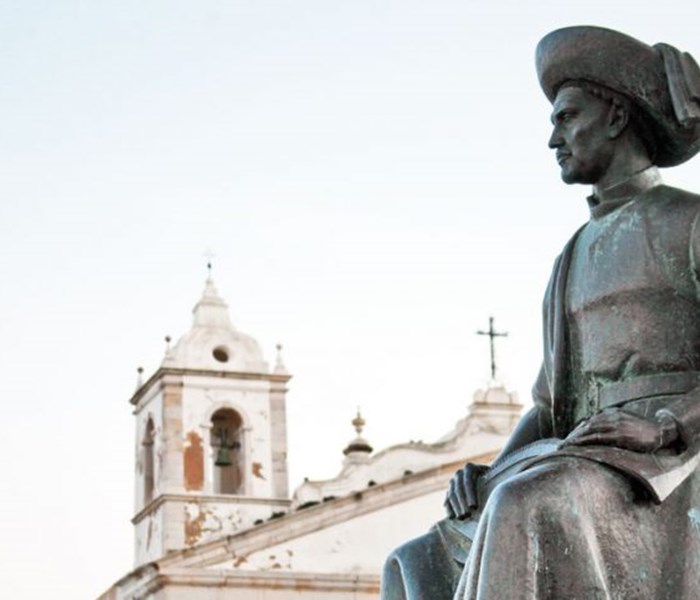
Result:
x=211 y=437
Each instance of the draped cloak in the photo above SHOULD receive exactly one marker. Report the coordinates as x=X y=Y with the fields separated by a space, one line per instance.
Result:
x=621 y=331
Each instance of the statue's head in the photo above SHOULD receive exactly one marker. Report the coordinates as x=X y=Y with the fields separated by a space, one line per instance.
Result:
x=607 y=90
x=590 y=124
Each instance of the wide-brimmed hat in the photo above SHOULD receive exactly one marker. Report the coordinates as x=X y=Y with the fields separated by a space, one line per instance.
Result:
x=661 y=81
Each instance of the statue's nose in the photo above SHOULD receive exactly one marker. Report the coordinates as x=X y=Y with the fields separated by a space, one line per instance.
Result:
x=555 y=140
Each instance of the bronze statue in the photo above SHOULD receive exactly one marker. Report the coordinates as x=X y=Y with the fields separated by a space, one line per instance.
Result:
x=597 y=492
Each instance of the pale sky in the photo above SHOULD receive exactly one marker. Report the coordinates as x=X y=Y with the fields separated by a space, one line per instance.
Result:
x=372 y=176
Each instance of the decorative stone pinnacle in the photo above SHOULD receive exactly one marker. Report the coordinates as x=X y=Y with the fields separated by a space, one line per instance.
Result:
x=279 y=363
x=139 y=378
x=168 y=349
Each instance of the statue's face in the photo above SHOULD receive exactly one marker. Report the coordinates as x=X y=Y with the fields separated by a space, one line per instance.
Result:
x=584 y=148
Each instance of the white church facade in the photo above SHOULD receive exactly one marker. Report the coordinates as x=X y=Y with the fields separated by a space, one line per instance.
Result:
x=214 y=517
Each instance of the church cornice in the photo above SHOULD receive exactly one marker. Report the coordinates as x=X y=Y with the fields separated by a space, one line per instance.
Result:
x=157 y=502
x=162 y=372
x=149 y=583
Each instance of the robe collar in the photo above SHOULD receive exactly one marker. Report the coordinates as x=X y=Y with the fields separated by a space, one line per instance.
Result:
x=621 y=193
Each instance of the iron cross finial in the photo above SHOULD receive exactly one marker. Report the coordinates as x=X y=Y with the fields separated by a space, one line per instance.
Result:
x=493 y=334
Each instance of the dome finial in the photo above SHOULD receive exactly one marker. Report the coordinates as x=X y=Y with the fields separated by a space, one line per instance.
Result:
x=358 y=422
x=359 y=446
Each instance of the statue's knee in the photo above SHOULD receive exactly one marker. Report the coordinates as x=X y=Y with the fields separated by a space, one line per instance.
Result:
x=530 y=489
x=508 y=495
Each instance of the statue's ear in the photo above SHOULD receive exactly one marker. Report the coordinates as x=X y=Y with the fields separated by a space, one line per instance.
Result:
x=618 y=117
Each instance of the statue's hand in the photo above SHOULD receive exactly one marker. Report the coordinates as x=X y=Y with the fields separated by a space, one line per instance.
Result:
x=462 y=497
x=615 y=427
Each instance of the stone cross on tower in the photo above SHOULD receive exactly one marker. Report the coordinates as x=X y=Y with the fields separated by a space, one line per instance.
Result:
x=493 y=334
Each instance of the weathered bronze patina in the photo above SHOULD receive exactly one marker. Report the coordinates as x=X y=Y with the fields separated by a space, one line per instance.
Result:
x=597 y=492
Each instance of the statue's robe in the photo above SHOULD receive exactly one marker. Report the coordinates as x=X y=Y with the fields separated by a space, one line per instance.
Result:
x=621 y=331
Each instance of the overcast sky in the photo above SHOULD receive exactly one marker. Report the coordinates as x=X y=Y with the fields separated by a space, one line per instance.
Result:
x=372 y=176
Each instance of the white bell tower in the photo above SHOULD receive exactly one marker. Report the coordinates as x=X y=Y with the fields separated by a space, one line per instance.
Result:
x=211 y=437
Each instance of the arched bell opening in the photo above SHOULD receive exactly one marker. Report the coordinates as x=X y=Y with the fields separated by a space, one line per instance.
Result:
x=227 y=451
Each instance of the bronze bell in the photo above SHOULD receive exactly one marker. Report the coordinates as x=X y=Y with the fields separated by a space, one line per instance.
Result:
x=223 y=457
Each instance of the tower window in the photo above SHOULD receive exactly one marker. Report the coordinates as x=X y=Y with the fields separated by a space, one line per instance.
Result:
x=227 y=451
x=148 y=461
x=221 y=354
